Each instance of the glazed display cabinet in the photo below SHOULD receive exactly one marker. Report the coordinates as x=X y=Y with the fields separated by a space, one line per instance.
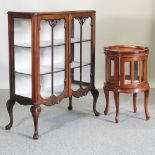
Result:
x=51 y=57
x=126 y=72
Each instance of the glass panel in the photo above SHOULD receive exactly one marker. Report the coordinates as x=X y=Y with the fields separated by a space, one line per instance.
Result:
x=128 y=72
x=23 y=85
x=75 y=66
x=58 y=86
x=23 y=66
x=136 y=71
x=108 y=69
x=52 y=58
x=86 y=28
x=143 y=64
x=112 y=71
x=81 y=53
x=86 y=63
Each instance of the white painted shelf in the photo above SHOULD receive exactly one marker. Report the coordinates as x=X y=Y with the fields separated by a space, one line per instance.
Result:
x=46 y=92
x=57 y=42
x=46 y=69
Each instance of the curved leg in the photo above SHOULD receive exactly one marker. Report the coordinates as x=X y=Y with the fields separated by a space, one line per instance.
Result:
x=116 y=97
x=35 y=110
x=70 y=103
x=134 y=103
x=106 y=92
x=146 y=94
x=10 y=104
x=95 y=94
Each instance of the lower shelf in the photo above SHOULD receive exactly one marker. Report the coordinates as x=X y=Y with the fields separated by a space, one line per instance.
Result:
x=46 y=92
x=129 y=81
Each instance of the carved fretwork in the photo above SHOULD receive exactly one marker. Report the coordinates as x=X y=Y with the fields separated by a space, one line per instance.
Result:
x=53 y=22
x=81 y=20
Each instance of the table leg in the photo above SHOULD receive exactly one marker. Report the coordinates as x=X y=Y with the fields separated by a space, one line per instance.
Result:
x=146 y=94
x=95 y=95
x=116 y=97
x=10 y=104
x=70 y=107
x=35 y=110
x=106 y=92
x=134 y=102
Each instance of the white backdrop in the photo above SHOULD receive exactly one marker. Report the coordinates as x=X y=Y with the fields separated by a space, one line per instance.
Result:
x=117 y=22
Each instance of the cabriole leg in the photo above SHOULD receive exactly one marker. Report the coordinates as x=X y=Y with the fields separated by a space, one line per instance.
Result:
x=146 y=94
x=10 y=104
x=35 y=110
x=116 y=97
x=106 y=92
x=134 y=103
x=70 y=103
x=95 y=95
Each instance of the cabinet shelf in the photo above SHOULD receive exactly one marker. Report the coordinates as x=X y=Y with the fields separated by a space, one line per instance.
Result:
x=45 y=44
x=46 y=92
x=46 y=69
x=76 y=64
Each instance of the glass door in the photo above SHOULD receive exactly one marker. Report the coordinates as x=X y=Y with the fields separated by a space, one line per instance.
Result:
x=81 y=49
x=132 y=71
x=53 y=66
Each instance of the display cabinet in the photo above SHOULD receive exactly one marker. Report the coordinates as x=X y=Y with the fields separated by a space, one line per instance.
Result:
x=126 y=72
x=51 y=57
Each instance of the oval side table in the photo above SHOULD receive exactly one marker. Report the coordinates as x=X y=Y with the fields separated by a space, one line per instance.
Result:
x=126 y=72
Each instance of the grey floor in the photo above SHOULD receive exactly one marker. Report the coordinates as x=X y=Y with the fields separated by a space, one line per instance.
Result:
x=79 y=132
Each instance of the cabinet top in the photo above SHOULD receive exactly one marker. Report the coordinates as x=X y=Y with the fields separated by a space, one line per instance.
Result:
x=50 y=13
x=123 y=49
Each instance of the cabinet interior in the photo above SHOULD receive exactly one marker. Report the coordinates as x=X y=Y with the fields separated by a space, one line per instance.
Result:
x=52 y=52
